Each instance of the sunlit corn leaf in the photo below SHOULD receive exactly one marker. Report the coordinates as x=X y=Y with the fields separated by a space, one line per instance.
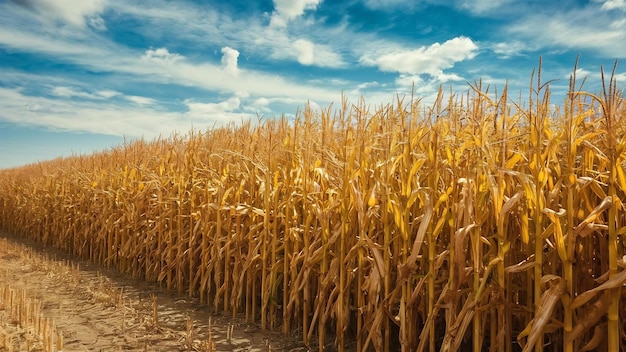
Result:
x=535 y=328
x=616 y=281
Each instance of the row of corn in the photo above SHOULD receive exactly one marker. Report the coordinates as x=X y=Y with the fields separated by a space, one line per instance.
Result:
x=473 y=223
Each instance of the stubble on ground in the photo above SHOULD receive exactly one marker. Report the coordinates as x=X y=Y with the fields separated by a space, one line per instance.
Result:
x=94 y=309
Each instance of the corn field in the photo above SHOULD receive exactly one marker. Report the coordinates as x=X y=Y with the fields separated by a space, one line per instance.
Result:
x=475 y=223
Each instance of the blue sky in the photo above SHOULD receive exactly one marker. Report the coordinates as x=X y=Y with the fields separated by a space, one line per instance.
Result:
x=82 y=75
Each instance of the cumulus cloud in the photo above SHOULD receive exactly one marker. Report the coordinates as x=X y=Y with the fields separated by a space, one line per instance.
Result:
x=287 y=10
x=447 y=77
x=161 y=54
x=265 y=105
x=580 y=73
x=620 y=77
x=430 y=60
x=78 y=13
x=210 y=110
x=217 y=113
x=229 y=60
x=261 y=104
x=304 y=51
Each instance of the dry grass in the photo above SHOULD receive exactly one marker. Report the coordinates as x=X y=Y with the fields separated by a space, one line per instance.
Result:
x=473 y=223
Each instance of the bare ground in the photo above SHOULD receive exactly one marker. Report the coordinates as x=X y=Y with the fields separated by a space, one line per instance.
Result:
x=94 y=309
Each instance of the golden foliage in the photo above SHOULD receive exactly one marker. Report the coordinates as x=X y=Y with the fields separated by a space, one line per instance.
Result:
x=430 y=219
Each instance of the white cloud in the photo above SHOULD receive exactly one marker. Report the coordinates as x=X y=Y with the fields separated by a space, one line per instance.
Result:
x=101 y=117
x=613 y=5
x=304 y=51
x=405 y=80
x=208 y=109
x=287 y=10
x=249 y=35
x=580 y=73
x=69 y=92
x=115 y=118
x=325 y=46
x=216 y=113
x=212 y=77
x=107 y=94
x=618 y=24
x=482 y=6
x=620 y=78
x=161 y=54
x=507 y=50
x=46 y=43
x=229 y=60
x=97 y=23
x=409 y=80
x=367 y=85
x=576 y=30
x=162 y=66
x=447 y=77
x=315 y=107
x=140 y=100
x=261 y=105
x=76 y=13
x=262 y=101
x=477 y=7
x=431 y=60
x=389 y=4
x=65 y=92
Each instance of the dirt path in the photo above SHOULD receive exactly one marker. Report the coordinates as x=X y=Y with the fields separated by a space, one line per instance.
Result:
x=93 y=309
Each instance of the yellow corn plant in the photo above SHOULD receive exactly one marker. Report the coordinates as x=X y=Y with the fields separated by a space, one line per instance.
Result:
x=474 y=223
